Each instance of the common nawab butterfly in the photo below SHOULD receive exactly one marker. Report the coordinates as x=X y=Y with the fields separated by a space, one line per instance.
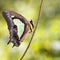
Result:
x=12 y=27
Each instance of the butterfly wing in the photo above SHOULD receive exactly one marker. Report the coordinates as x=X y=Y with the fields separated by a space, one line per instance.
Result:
x=10 y=16
x=8 y=19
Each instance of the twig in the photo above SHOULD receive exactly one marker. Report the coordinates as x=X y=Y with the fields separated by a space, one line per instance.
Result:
x=33 y=31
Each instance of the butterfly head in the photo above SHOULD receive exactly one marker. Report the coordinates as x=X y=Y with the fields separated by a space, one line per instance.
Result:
x=31 y=22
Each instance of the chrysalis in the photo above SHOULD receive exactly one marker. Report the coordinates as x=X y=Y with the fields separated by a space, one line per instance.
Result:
x=10 y=16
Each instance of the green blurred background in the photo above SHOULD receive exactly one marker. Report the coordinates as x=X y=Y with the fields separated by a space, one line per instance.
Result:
x=46 y=41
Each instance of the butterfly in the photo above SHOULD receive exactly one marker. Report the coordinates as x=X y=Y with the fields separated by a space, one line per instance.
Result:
x=13 y=28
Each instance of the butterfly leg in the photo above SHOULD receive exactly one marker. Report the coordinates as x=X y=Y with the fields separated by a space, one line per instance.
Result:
x=8 y=42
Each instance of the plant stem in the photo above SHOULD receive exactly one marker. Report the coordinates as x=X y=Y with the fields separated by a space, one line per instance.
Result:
x=39 y=15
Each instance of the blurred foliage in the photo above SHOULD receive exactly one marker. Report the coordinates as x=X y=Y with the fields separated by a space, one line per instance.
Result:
x=43 y=46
